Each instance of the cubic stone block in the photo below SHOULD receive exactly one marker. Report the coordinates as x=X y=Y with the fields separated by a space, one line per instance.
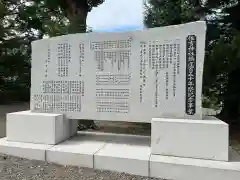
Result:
x=203 y=139
x=41 y=128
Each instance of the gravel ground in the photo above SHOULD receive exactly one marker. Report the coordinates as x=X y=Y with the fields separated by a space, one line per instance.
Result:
x=12 y=168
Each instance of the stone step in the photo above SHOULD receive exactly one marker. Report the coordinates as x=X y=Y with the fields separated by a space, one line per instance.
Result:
x=124 y=153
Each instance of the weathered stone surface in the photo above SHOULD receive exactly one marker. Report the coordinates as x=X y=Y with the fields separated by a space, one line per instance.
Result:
x=130 y=76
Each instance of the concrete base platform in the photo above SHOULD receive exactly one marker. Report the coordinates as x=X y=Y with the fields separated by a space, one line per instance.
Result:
x=24 y=150
x=124 y=153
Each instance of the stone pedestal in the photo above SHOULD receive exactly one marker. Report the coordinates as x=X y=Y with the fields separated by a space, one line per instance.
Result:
x=39 y=128
x=201 y=139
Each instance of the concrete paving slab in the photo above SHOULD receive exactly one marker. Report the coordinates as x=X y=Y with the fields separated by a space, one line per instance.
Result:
x=23 y=150
x=125 y=154
x=188 y=169
x=77 y=151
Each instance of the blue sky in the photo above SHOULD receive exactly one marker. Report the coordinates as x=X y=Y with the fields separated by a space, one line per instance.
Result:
x=117 y=15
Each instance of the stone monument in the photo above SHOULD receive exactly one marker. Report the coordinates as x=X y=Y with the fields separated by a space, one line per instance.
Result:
x=152 y=75
x=129 y=76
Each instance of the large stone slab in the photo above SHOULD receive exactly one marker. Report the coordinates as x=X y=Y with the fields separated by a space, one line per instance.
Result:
x=127 y=76
x=42 y=128
x=203 y=139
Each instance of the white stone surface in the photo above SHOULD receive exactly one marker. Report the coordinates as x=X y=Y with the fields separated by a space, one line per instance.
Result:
x=177 y=168
x=42 y=128
x=76 y=151
x=100 y=78
x=125 y=154
x=130 y=154
x=23 y=150
x=203 y=139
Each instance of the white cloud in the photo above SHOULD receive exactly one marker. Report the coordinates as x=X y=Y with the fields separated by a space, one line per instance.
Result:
x=116 y=13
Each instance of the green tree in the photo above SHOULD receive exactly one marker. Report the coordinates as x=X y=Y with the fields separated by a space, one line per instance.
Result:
x=224 y=59
x=75 y=10
x=14 y=57
x=168 y=12
x=20 y=23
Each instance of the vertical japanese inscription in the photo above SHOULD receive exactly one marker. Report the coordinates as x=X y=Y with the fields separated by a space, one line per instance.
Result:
x=167 y=88
x=143 y=68
x=191 y=45
x=113 y=75
x=178 y=58
x=61 y=95
x=81 y=58
x=161 y=57
x=47 y=61
x=63 y=59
